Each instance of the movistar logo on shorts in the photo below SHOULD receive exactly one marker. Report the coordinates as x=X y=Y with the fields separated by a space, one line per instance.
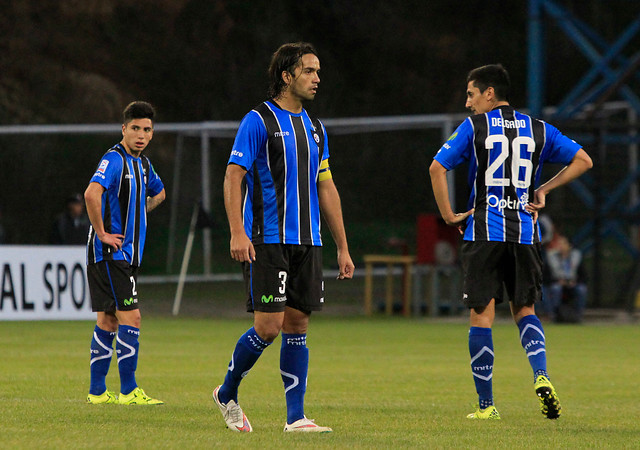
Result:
x=507 y=203
x=130 y=301
x=272 y=299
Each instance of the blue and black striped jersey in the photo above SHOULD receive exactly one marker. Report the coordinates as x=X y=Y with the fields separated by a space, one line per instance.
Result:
x=127 y=182
x=282 y=153
x=505 y=150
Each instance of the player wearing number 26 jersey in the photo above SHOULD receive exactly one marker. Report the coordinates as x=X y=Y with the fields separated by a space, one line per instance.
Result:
x=500 y=255
x=505 y=150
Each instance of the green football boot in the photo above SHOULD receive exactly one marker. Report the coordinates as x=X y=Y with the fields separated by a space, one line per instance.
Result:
x=549 y=401
x=489 y=413
x=138 y=397
x=105 y=397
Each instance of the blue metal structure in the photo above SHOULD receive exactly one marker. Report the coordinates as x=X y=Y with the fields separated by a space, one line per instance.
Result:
x=609 y=75
x=596 y=49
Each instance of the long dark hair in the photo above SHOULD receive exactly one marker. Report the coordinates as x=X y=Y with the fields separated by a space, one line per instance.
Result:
x=286 y=58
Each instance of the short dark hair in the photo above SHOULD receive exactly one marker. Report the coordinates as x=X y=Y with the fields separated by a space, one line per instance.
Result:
x=138 y=110
x=492 y=75
x=286 y=58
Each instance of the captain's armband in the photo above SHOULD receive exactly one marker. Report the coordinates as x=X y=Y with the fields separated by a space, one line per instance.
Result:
x=325 y=171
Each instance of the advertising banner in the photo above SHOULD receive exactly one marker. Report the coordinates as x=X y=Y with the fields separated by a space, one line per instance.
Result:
x=44 y=283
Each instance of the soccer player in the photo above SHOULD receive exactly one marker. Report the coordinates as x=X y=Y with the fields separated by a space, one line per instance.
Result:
x=121 y=192
x=276 y=183
x=500 y=253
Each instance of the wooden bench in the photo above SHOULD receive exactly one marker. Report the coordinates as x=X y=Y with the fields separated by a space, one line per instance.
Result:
x=390 y=261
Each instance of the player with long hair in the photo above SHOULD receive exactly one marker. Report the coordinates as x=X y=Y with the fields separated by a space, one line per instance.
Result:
x=277 y=182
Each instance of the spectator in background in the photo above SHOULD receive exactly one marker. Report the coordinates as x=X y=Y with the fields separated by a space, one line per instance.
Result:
x=548 y=238
x=567 y=291
x=71 y=227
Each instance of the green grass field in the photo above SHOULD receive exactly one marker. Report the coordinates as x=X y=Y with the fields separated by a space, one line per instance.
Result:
x=380 y=383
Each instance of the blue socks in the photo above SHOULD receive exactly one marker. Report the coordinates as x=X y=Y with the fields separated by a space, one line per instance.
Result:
x=101 y=351
x=247 y=351
x=294 y=365
x=127 y=349
x=481 y=352
x=532 y=340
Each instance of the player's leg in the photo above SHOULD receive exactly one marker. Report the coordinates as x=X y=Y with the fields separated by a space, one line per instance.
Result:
x=526 y=290
x=122 y=283
x=248 y=349
x=482 y=357
x=101 y=352
x=532 y=338
x=482 y=266
x=104 y=332
x=127 y=348
x=294 y=362
x=305 y=293
x=265 y=281
x=524 y=286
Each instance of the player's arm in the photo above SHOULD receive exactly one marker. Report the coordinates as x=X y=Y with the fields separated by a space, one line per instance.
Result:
x=153 y=202
x=440 y=187
x=580 y=163
x=241 y=248
x=331 y=208
x=93 y=199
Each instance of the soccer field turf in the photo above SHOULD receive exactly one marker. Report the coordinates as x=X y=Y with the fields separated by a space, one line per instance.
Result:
x=380 y=383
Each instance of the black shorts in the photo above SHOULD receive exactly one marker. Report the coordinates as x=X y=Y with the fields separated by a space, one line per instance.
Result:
x=112 y=285
x=285 y=275
x=493 y=268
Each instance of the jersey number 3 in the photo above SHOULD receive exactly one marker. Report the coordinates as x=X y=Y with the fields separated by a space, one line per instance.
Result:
x=517 y=162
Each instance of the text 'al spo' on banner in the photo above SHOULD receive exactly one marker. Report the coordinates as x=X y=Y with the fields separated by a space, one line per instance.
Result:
x=44 y=283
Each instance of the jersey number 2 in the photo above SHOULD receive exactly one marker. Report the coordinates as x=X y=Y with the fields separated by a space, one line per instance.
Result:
x=517 y=162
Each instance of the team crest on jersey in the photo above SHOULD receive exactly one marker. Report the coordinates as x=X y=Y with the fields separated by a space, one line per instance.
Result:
x=316 y=137
x=103 y=166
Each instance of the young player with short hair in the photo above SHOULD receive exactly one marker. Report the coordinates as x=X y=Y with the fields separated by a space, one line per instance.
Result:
x=124 y=188
x=505 y=150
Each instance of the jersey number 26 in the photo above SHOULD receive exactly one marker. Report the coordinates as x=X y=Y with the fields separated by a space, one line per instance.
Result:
x=517 y=162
